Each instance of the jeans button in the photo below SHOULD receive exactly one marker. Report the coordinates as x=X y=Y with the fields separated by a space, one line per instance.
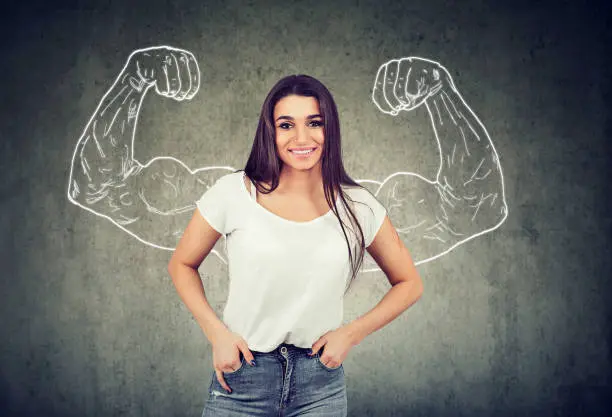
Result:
x=283 y=349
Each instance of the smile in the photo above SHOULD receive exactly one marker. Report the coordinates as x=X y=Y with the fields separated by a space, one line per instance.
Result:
x=302 y=151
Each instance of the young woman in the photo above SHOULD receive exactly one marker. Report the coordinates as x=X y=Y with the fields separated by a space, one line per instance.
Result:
x=296 y=228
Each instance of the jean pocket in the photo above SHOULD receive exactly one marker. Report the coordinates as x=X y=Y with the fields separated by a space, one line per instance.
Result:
x=327 y=368
x=242 y=365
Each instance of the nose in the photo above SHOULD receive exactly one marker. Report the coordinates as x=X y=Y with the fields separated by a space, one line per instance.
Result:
x=301 y=133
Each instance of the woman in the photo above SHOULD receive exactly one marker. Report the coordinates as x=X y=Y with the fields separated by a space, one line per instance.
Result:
x=296 y=228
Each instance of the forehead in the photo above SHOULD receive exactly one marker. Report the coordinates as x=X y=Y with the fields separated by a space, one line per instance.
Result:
x=296 y=106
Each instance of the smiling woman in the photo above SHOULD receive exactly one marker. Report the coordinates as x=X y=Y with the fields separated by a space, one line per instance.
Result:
x=300 y=112
x=293 y=219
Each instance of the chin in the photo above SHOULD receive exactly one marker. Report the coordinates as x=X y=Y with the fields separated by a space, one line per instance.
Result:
x=302 y=166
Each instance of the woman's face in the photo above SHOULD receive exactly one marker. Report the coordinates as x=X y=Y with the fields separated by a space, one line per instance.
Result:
x=298 y=126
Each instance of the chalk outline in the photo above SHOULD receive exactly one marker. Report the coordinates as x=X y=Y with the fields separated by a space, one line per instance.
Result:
x=139 y=166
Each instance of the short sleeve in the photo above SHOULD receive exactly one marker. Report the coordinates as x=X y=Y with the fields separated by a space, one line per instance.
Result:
x=372 y=215
x=213 y=204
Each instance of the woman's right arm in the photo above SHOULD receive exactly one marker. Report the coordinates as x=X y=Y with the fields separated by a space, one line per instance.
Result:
x=196 y=243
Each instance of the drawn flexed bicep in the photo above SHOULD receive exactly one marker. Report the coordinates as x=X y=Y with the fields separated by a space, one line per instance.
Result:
x=151 y=201
x=153 y=204
x=429 y=219
x=466 y=198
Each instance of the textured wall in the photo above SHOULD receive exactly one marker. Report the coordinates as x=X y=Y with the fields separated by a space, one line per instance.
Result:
x=514 y=322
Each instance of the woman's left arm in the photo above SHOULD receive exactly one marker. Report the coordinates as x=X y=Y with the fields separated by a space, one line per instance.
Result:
x=394 y=259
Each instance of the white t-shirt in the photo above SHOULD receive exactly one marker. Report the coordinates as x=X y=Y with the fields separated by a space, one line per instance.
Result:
x=287 y=278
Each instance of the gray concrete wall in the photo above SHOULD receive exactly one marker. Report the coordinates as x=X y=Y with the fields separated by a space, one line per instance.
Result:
x=514 y=322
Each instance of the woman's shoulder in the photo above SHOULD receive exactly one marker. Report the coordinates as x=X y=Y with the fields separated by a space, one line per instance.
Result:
x=232 y=177
x=229 y=182
x=354 y=191
x=361 y=194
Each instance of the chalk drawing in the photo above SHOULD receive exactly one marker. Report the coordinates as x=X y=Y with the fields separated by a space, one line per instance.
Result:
x=467 y=196
x=152 y=202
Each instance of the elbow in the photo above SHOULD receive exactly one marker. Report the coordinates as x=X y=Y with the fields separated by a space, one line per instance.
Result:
x=172 y=267
x=418 y=288
x=420 y=293
x=412 y=288
x=174 y=261
x=171 y=262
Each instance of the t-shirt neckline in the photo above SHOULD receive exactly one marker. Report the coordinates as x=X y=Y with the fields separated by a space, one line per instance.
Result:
x=245 y=192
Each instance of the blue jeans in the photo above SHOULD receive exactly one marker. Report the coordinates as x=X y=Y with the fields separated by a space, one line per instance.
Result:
x=285 y=382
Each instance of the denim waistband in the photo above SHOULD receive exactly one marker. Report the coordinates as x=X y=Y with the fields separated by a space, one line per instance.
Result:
x=289 y=348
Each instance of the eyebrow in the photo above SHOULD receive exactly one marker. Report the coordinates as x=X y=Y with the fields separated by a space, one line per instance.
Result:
x=312 y=116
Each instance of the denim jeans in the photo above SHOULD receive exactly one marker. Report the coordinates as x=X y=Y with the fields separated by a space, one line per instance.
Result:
x=285 y=382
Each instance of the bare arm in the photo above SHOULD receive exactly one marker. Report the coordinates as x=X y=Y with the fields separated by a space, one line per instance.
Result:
x=194 y=246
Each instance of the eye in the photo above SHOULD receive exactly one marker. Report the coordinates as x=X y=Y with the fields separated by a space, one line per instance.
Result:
x=284 y=125
x=317 y=123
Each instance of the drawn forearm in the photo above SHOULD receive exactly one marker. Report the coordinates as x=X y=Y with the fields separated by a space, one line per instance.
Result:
x=470 y=175
x=465 y=147
x=104 y=153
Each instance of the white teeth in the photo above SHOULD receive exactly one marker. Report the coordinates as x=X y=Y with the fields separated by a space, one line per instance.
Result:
x=302 y=152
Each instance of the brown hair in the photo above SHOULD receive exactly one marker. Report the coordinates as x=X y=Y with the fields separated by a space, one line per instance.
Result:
x=264 y=165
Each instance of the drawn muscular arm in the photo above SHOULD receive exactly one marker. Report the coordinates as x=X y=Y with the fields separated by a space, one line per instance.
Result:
x=466 y=199
x=151 y=201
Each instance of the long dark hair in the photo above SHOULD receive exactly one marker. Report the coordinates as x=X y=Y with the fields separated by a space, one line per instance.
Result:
x=264 y=164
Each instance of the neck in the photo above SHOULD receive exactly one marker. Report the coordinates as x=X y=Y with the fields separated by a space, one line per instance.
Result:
x=301 y=182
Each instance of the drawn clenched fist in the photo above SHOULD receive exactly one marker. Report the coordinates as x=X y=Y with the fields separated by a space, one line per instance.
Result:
x=404 y=84
x=174 y=72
